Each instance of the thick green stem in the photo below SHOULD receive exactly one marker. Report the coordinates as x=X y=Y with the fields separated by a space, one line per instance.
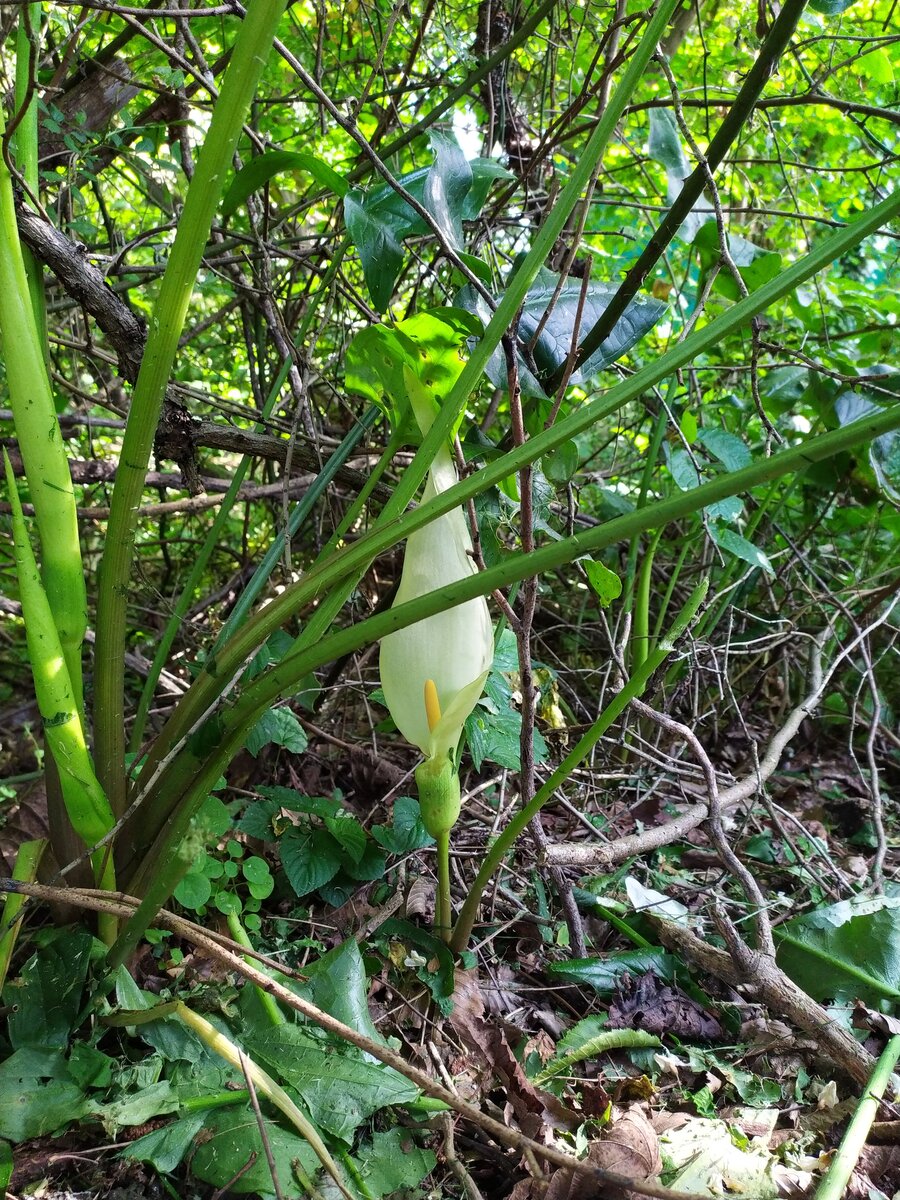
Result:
x=640 y=638
x=443 y=914
x=834 y=1185
x=40 y=441
x=632 y=689
x=28 y=858
x=269 y=1003
x=251 y=49
x=25 y=147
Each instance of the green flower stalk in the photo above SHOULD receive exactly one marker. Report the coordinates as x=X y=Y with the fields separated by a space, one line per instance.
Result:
x=433 y=672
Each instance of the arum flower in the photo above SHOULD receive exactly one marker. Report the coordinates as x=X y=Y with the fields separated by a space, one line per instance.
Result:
x=433 y=672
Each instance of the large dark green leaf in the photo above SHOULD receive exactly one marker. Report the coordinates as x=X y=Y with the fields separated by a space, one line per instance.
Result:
x=390 y=208
x=447 y=185
x=555 y=341
x=603 y=974
x=380 y=252
x=452 y=190
x=47 y=995
x=37 y=1096
x=265 y=166
x=231 y=1152
x=340 y=1087
x=845 y=951
x=884 y=451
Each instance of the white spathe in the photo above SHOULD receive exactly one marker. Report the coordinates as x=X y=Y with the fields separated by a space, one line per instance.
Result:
x=455 y=648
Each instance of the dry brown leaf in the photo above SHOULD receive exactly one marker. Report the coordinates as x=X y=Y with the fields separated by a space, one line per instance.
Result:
x=630 y=1148
x=531 y=1107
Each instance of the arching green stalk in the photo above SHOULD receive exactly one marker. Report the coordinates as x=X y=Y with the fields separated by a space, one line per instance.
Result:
x=249 y=54
x=349 y=561
x=189 y=777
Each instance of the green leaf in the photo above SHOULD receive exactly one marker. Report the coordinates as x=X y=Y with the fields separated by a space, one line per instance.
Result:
x=339 y=1086
x=256 y=870
x=555 y=340
x=603 y=973
x=36 y=1096
x=438 y=967
x=136 y=1108
x=845 y=951
x=258 y=171
x=165 y=1148
x=727 y=447
x=277 y=727
x=432 y=344
x=213 y=817
x=494 y=737
x=598 y=1043
x=390 y=208
x=310 y=858
x=47 y=995
x=194 y=890
x=728 y=540
x=338 y=984
x=90 y=1067
x=606 y=584
x=380 y=253
x=349 y=835
x=561 y=465
x=407 y=833
x=392 y=1164
x=729 y=509
x=884 y=451
x=232 y=1140
x=688 y=426
x=682 y=469
x=447 y=184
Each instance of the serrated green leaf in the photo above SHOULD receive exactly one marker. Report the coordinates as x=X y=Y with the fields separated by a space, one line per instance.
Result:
x=407 y=833
x=310 y=857
x=277 y=727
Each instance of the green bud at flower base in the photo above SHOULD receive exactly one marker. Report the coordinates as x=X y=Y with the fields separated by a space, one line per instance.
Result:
x=433 y=672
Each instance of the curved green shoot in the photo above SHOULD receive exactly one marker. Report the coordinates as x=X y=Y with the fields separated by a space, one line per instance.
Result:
x=86 y=805
x=182 y=780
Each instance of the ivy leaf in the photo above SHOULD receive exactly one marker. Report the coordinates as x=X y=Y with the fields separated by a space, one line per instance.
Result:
x=258 y=171
x=380 y=252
